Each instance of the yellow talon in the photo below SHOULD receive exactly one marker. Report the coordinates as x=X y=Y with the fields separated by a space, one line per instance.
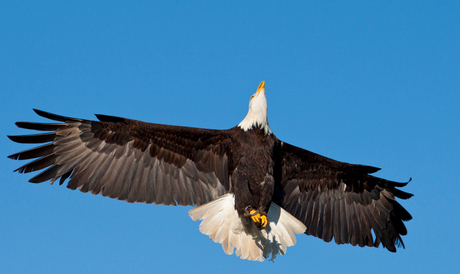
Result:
x=259 y=220
x=264 y=222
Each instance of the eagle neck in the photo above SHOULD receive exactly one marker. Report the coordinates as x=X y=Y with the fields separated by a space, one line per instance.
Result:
x=255 y=120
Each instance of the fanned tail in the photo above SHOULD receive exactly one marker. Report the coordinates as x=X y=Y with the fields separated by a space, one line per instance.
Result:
x=222 y=224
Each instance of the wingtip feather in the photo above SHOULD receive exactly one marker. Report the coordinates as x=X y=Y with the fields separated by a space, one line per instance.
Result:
x=55 y=117
x=108 y=118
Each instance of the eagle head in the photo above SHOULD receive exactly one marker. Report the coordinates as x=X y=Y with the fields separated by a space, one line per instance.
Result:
x=257 y=114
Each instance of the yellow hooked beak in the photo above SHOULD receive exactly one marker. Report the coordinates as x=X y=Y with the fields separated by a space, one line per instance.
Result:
x=261 y=87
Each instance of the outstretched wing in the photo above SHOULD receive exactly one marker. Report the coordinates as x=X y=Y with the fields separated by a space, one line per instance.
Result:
x=128 y=159
x=339 y=200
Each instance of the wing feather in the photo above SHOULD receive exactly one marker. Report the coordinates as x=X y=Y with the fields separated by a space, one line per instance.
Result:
x=339 y=200
x=128 y=159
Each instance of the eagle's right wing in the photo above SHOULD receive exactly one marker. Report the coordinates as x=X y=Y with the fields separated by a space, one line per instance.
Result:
x=128 y=159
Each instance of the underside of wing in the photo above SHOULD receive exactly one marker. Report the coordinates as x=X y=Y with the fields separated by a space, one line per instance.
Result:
x=339 y=200
x=129 y=160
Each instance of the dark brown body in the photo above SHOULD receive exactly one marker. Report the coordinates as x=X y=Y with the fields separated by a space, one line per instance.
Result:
x=253 y=179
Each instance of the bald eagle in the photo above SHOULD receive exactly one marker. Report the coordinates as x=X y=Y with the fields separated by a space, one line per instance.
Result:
x=253 y=192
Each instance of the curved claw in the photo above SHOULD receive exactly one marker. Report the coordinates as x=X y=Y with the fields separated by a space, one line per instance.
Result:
x=263 y=222
x=259 y=220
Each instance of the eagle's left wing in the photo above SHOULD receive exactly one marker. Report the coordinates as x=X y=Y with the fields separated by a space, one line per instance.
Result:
x=339 y=200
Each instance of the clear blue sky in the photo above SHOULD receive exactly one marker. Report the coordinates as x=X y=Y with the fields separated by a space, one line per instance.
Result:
x=371 y=83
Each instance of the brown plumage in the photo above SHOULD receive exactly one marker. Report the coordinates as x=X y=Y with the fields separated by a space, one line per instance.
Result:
x=152 y=163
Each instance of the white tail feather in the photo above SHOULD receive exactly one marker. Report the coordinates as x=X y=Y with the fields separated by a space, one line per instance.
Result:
x=222 y=224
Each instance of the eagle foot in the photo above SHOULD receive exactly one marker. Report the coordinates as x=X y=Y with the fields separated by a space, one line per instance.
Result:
x=259 y=220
